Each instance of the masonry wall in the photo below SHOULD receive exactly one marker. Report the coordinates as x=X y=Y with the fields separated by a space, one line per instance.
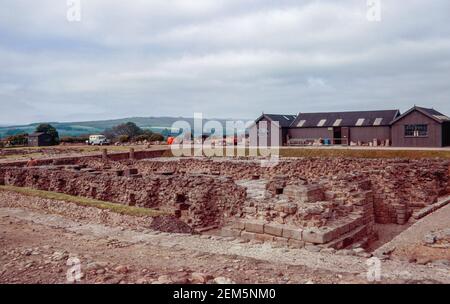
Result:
x=201 y=201
x=115 y=156
x=399 y=186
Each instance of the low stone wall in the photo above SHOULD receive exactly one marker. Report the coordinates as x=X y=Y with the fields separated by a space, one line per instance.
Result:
x=111 y=156
x=201 y=201
x=348 y=231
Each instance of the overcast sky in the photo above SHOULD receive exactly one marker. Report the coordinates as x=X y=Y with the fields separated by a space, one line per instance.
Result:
x=225 y=58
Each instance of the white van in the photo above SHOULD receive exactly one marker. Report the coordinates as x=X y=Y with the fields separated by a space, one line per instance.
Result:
x=99 y=140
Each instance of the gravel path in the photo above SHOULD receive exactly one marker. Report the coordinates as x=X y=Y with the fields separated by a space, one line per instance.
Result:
x=390 y=270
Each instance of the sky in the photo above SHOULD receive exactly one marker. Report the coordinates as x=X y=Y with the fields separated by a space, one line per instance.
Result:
x=223 y=58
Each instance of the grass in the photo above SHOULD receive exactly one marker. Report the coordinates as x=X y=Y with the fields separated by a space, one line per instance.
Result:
x=350 y=153
x=362 y=153
x=283 y=152
x=39 y=152
x=86 y=202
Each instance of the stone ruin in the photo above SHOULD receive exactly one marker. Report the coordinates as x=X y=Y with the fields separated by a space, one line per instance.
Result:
x=328 y=202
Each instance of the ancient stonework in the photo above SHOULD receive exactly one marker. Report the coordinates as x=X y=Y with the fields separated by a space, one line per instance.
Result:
x=331 y=202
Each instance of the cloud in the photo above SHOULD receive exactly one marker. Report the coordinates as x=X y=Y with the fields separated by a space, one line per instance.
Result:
x=224 y=58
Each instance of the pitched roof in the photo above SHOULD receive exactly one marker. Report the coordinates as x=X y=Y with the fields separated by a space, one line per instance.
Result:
x=345 y=119
x=284 y=121
x=431 y=113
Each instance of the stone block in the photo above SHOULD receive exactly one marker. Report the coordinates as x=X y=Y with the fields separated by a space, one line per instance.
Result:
x=273 y=229
x=249 y=236
x=254 y=226
x=317 y=236
x=238 y=224
x=281 y=241
x=305 y=193
x=292 y=233
x=296 y=244
x=230 y=232
x=264 y=237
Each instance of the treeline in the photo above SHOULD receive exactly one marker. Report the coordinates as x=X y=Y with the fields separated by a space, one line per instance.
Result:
x=123 y=133
x=22 y=139
x=130 y=132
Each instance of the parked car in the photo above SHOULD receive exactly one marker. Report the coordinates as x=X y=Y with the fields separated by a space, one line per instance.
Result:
x=98 y=140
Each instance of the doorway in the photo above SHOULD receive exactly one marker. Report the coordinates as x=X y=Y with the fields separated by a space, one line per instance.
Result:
x=345 y=133
x=337 y=135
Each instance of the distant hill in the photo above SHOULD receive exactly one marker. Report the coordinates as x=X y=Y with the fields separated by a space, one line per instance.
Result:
x=156 y=124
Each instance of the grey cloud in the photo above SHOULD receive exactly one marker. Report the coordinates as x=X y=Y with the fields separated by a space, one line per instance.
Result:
x=224 y=58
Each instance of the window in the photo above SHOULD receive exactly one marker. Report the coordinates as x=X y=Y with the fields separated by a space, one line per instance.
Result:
x=337 y=123
x=416 y=130
x=360 y=122
x=301 y=123
x=377 y=121
x=441 y=117
x=322 y=123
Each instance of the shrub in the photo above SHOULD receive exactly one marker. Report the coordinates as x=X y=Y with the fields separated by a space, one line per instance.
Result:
x=17 y=140
x=123 y=139
x=142 y=137
x=74 y=139
x=156 y=137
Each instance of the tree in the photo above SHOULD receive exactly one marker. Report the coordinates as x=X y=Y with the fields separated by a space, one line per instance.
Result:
x=129 y=129
x=17 y=140
x=50 y=130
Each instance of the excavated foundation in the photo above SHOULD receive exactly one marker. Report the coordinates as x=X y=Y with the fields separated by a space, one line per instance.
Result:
x=326 y=202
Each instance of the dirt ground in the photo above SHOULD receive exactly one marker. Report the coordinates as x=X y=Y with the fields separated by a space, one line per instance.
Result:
x=38 y=237
x=411 y=244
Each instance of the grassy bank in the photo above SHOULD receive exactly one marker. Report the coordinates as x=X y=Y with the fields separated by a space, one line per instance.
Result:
x=86 y=202
x=339 y=152
x=363 y=153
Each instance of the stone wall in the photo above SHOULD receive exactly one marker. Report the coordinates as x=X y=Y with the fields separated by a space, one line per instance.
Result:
x=111 y=156
x=399 y=186
x=199 y=200
x=329 y=202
